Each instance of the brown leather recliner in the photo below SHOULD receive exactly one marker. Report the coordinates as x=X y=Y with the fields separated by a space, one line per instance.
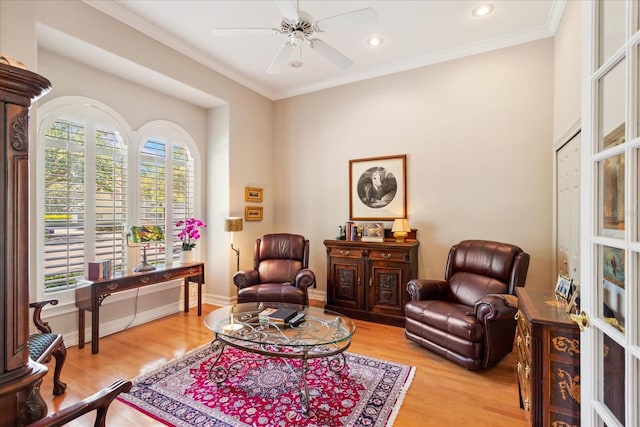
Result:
x=280 y=271
x=469 y=317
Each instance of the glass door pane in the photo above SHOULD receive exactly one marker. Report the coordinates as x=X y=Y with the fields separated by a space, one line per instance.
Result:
x=611 y=389
x=611 y=109
x=612 y=286
x=612 y=34
x=611 y=206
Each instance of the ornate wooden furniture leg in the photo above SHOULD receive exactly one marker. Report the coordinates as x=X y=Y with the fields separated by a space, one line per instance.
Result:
x=45 y=344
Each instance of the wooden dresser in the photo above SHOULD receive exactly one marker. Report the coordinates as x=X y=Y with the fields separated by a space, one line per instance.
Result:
x=367 y=280
x=548 y=346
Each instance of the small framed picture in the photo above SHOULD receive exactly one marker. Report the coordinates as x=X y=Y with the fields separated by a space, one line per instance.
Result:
x=253 y=213
x=563 y=287
x=252 y=194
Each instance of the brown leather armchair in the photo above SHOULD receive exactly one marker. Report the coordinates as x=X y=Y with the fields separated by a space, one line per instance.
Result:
x=280 y=271
x=469 y=317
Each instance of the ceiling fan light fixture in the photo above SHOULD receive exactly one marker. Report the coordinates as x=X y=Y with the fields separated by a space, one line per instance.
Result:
x=482 y=10
x=375 y=41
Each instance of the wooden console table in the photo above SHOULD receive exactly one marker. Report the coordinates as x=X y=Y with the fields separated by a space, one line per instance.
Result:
x=90 y=296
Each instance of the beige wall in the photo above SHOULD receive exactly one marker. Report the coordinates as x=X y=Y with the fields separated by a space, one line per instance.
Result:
x=476 y=132
x=566 y=72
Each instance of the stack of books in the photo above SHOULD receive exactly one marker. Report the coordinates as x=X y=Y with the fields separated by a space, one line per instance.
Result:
x=99 y=270
x=281 y=316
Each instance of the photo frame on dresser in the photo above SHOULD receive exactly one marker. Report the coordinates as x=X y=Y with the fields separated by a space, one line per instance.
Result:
x=378 y=188
x=563 y=287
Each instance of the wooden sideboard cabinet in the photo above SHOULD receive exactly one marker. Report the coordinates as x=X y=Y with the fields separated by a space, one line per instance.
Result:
x=548 y=346
x=367 y=280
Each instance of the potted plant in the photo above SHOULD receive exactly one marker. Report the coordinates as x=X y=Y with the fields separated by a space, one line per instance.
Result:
x=189 y=234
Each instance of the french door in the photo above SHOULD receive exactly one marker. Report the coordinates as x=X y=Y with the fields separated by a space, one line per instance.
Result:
x=610 y=247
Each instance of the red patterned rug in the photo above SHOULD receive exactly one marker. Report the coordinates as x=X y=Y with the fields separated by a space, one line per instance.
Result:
x=266 y=393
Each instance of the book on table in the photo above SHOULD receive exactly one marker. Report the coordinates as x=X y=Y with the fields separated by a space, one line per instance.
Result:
x=279 y=316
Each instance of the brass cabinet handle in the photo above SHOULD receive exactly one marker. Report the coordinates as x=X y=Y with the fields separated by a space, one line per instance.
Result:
x=385 y=255
x=370 y=281
x=166 y=275
x=344 y=253
x=144 y=279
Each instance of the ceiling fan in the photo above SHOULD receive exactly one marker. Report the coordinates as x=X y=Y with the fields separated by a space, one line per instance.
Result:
x=300 y=28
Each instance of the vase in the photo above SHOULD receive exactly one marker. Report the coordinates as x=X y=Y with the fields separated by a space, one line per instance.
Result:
x=186 y=256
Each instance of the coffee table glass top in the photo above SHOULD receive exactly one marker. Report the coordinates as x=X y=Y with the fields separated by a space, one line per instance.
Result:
x=241 y=322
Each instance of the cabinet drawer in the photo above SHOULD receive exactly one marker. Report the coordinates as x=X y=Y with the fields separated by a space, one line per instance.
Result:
x=346 y=253
x=387 y=255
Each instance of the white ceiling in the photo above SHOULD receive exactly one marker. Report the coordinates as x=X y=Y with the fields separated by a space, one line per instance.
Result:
x=415 y=33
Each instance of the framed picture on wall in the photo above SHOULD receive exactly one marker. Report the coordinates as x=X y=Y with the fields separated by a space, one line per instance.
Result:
x=253 y=213
x=378 y=188
x=253 y=194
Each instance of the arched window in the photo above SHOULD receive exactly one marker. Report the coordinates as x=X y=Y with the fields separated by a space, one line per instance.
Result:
x=93 y=184
x=166 y=179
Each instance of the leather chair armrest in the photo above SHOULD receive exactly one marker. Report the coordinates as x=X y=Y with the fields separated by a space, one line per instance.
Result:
x=305 y=278
x=495 y=307
x=99 y=402
x=244 y=279
x=422 y=289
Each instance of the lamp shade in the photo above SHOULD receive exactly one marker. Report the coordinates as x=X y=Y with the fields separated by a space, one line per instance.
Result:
x=400 y=229
x=233 y=223
x=401 y=225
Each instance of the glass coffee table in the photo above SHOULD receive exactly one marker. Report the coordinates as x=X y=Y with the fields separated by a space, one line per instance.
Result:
x=321 y=334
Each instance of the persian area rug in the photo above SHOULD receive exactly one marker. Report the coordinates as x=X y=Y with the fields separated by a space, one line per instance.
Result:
x=266 y=393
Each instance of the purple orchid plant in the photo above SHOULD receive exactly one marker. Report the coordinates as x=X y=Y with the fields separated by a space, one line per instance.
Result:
x=189 y=232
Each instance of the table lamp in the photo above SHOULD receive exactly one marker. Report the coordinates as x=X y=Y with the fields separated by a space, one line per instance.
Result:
x=144 y=234
x=231 y=224
x=400 y=229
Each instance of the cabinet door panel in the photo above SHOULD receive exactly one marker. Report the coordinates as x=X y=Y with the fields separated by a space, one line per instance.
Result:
x=347 y=287
x=385 y=289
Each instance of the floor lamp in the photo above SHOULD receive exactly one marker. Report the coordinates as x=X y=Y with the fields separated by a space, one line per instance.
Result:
x=231 y=224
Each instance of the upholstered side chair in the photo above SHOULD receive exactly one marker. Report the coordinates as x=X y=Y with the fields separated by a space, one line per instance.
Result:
x=469 y=317
x=45 y=343
x=280 y=271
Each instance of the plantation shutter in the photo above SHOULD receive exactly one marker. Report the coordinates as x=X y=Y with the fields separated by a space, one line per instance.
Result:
x=165 y=197
x=85 y=170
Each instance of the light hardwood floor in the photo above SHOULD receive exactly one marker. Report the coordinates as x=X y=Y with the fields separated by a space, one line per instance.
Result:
x=441 y=394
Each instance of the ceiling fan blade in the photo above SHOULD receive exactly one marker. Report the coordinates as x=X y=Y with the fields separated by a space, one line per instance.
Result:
x=288 y=9
x=245 y=31
x=281 y=58
x=331 y=54
x=349 y=19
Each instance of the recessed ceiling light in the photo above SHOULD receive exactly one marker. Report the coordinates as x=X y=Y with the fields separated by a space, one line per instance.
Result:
x=482 y=10
x=375 y=41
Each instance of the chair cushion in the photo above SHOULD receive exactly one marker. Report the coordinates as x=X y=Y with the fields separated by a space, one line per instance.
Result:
x=39 y=344
x=276 y=292
x=467 y=288
x=485 y=258
x=279 y=270
x=282 y=246
x=447 y=317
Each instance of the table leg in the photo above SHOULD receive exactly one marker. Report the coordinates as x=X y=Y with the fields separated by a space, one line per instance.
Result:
x=80 y=328
x=186 y=294
x=95 y=326
x=199 y=295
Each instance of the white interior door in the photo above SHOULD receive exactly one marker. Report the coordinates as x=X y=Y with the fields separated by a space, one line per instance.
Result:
x=610 y=345
x=568 y=209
